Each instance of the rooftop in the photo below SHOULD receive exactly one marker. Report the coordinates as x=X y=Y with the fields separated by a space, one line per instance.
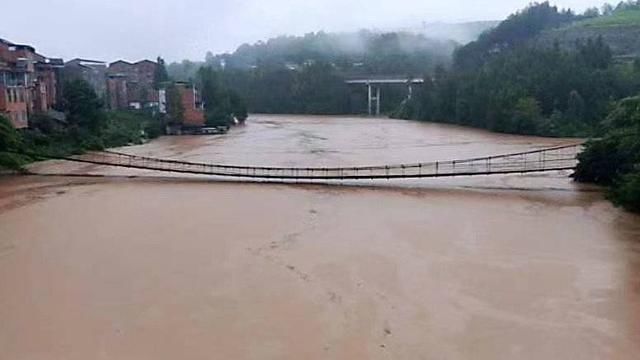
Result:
x=132 y=64
x=86 y=62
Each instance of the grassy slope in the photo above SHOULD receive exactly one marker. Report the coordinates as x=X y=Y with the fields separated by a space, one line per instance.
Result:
x=620 y=30
x=618 y=19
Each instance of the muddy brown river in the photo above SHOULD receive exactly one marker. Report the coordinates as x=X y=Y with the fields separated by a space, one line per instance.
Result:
x=129 y=264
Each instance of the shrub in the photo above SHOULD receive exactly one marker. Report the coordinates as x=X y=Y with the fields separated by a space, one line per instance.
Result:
x=10 y=140
x=9 y=137
x=626 y=193
x=603 y=161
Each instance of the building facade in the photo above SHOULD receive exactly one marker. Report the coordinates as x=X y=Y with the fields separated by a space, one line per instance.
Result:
x=193 y=116
x=131 y=85
x=28 y=82
x=192 y=105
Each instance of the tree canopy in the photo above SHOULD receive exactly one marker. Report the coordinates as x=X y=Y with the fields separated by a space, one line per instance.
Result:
x=493 y=79
x=221 y=104
x=306 y=74
x=83 y=107
x=614 y=159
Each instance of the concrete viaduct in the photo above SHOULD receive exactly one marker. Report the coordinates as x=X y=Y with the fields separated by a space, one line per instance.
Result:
x=374 y=83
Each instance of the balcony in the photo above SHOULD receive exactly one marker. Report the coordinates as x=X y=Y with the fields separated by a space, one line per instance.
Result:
x=13 y=78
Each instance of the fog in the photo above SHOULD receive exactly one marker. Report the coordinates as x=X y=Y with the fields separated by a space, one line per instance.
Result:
x=122 y=29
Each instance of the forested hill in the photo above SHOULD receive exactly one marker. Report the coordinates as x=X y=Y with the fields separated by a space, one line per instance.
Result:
x=508 y=81
x=551 y=72
x=363 y=52
x=306 y=74
x=513 y=32
x=360 y=52
x=544 y=26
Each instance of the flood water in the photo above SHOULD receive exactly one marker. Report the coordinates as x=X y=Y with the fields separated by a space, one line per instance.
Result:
x=141 y=265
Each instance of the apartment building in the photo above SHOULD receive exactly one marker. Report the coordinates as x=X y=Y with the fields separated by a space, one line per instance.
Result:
x=28 y=82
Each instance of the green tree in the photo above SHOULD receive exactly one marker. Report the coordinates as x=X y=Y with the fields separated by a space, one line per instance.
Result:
x=9 y=137
x=515 y=30
x=591 y=12
x=614 y=159
x=318 y=90
x=607 y=9
x=175 y=108
x=626 y=192
x=595 y=53
x=84 y=109
x=575 y=107
x=238 y=106
x=217 y=102
x=10 y=140
x=526 y=116
x=160 y=75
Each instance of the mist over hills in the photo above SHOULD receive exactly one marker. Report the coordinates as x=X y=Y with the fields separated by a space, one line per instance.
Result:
x=462 y=33
x=413 y=50
x=433 y=42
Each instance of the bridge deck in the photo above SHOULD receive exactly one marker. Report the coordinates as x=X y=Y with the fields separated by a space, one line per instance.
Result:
x=550 y=159
x=367 y=81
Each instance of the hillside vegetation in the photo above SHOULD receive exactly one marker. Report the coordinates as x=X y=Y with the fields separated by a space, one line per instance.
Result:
x=620 y=30
x=362 y=52
x=504 y=82
x=510 y=81
x=306 y=74
x=622 y=17
x=614 y=160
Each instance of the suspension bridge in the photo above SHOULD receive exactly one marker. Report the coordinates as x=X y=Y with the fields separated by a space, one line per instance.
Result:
x=541 y=160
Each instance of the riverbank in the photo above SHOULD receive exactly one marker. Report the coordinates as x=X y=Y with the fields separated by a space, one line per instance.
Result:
x=56 y=140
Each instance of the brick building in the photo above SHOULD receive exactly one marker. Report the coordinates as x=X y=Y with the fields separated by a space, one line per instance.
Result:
x=48 y=84
x=117 y=96
x=28 y=82
x=131 y=85
x=193 y=116
x=192 y=105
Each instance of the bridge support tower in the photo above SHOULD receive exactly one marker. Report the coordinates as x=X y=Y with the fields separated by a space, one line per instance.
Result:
x=373 y=98
x=374 y=85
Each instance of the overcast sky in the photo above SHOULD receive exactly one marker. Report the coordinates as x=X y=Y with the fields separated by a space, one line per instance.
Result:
x=178 y=29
